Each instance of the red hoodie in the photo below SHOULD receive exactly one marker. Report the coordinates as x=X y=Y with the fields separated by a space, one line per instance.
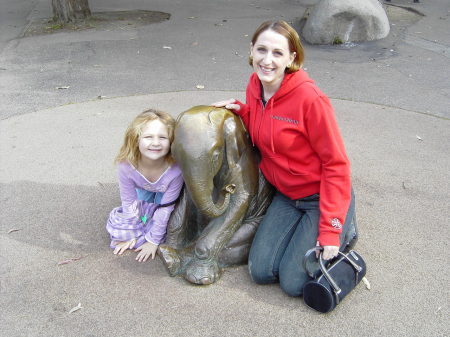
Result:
x=301 y=147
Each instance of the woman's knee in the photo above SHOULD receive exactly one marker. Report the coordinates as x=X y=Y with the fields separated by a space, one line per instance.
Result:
x=293 y=280
x=291 y=288
x=261 y=273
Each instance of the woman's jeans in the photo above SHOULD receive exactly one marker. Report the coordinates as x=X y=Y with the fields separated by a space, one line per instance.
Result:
x=287 y=231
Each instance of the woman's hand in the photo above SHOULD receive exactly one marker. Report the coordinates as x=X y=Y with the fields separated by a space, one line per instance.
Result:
x=122 y=246
x=145 y=251
x=228 y=104
x=328 y=251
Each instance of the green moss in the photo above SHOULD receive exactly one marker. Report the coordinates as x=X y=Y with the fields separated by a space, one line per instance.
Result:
x=337 y=40
x=55 y=26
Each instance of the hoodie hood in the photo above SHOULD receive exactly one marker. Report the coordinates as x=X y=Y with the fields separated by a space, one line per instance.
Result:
x=290 y=82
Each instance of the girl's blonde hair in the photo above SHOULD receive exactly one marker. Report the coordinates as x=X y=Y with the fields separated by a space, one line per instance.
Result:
x=130 y=148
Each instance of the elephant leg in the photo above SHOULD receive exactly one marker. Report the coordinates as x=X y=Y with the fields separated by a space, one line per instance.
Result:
x=174 y=253
x=170 y=258
x=204 y=267
x=215 y=236
x=203 y=271
x=177 y=225
x=237 y=249
x=175 y=260
x=168 y=251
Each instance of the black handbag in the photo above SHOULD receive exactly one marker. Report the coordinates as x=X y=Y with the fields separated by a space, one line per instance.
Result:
x=334 y=281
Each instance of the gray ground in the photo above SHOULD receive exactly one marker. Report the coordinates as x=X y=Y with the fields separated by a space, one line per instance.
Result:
x=58 y=182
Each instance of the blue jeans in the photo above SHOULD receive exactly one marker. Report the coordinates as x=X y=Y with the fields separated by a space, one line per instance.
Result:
x=287 y=231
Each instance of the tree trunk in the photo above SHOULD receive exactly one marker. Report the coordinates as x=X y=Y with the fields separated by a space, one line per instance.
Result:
x=70 y=10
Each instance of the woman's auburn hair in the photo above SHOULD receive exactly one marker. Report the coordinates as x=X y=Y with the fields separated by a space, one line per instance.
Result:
x=295 y=45
x=129 y=152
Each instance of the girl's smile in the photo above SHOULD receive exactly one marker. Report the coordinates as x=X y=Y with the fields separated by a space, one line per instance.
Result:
x=154 y=143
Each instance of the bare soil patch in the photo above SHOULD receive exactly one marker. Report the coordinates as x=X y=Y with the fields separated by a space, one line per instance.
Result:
x=121 y=20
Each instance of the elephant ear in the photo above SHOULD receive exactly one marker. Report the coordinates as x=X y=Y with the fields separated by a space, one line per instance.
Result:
x=234 y=136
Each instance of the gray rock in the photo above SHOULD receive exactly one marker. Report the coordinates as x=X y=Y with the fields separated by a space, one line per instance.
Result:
x=340 y=21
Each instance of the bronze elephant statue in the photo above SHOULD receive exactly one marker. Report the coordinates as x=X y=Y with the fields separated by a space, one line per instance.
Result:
x=224 y=199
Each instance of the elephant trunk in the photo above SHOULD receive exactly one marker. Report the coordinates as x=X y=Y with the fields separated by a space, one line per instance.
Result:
x=208 y=207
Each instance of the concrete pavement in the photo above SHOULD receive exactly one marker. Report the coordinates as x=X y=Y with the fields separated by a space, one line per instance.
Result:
x=58 y=181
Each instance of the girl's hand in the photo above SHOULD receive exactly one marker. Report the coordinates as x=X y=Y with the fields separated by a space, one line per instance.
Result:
x=228 y=104
x=145 y=251
x=122 y=246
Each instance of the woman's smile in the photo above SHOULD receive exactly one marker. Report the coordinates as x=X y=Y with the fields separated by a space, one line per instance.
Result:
x=271 y=56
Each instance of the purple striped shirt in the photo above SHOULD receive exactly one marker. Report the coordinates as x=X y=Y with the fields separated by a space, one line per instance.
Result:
x=139 y=216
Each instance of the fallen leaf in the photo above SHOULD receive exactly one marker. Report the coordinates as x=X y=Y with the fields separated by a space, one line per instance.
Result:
x=200 y=86
x=63 y=87
x=78 y=307
x=366 y=282
x=69 y=260
x=167 y=47
x=13 y=230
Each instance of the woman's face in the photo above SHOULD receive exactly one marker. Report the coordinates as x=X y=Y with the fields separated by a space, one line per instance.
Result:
x=271 y=56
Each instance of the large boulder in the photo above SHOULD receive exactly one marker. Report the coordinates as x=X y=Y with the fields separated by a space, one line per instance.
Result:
x=340 y=21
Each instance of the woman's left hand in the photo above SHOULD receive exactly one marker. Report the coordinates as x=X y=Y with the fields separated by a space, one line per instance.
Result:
x=145 y=251
x=329 y=252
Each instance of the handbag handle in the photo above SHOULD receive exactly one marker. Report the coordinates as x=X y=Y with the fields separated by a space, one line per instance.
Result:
x=305 y=258
x=324 y=270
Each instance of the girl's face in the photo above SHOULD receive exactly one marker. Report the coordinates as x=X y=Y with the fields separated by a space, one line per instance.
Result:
x=154 y=141
x=271 y=56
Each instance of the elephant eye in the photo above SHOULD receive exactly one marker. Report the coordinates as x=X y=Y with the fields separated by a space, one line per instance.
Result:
x=215 y=156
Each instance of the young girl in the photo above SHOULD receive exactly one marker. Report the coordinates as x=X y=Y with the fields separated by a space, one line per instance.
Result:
x=149 y=182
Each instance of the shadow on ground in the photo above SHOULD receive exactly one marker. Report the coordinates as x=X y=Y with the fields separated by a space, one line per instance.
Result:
x=78 y=214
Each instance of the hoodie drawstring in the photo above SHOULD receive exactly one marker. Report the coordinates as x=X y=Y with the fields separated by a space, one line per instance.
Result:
x=271 y=127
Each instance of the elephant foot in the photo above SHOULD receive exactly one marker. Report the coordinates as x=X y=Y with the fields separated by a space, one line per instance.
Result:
x=170 y=258
x=202 y=271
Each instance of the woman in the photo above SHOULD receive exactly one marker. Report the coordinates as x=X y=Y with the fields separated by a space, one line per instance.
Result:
x=292 y=123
